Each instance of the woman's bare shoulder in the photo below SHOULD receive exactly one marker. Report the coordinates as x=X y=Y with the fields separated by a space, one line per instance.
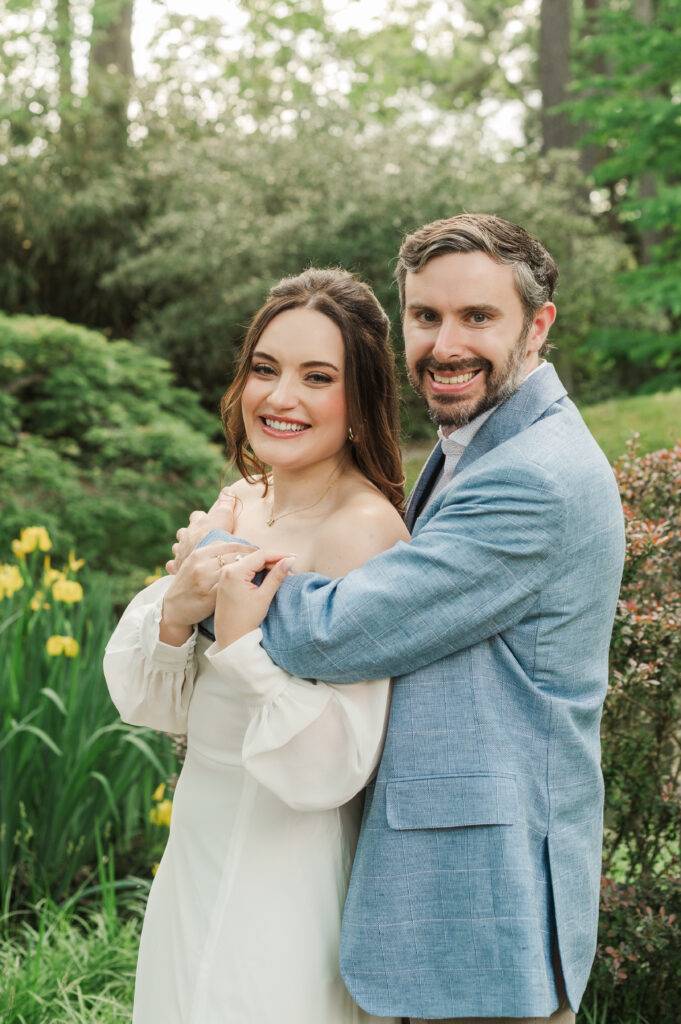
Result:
x=247 y=490
x=363 y=526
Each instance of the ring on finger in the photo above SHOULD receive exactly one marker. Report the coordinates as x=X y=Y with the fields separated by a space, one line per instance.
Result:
x=221 y=561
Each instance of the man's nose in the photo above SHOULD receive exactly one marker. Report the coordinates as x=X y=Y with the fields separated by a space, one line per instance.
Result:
x=449 y=342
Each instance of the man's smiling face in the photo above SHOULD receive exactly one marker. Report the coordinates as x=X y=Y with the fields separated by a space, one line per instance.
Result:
x=467 y=342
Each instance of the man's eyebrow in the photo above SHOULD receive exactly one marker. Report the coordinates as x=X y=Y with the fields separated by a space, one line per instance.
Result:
x=477 y=307
x=480 y=307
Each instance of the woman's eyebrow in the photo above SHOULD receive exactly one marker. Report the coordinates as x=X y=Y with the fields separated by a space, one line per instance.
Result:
x=319 y=362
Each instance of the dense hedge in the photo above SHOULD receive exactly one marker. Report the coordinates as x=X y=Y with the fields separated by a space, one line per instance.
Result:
x=638 y=963
x=98 y=445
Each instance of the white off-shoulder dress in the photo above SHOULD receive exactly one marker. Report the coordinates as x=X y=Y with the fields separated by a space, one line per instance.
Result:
x=244 y=914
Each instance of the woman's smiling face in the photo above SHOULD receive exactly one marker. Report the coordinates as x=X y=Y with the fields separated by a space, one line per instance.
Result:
x=293 y=403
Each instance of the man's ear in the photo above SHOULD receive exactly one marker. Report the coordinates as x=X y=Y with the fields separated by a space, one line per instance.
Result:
x=541 y=324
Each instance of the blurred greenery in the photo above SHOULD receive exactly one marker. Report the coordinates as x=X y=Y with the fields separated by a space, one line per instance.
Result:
x=71 y=770
x=656 y=419
x=98 y=445
x=629 y=78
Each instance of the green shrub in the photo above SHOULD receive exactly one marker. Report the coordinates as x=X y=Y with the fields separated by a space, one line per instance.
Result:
x=638 y=962
x=98 y=445
x=70 y=769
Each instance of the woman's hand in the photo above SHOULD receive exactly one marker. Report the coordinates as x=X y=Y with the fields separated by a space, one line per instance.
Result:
x=241 y=605
x=192 y=594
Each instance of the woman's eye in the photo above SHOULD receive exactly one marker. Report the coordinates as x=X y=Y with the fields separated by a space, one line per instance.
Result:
x=264 y=369
x=318 y=378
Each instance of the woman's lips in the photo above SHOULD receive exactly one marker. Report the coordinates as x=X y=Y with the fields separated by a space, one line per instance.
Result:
x=276 y=427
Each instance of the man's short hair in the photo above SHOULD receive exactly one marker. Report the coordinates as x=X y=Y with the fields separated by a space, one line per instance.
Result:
x=534 y=270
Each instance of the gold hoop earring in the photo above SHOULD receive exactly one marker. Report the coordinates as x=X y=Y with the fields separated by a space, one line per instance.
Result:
x=351 y=436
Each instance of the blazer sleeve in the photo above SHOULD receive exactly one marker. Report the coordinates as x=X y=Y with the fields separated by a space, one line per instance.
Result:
x=475 y=568
x=315 y=746
x=151 y=683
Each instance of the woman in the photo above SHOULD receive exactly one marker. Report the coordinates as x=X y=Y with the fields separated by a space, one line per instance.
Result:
x=243 y=920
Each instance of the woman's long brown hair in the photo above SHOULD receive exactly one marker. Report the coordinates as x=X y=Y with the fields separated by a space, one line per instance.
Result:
x=370 y=385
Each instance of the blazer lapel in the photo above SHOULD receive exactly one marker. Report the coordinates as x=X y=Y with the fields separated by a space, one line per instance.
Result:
x=421 y=488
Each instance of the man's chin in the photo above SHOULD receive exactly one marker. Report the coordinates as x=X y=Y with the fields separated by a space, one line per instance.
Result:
x=454 y=413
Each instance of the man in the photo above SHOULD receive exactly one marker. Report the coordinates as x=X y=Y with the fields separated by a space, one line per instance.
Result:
x=475 y=887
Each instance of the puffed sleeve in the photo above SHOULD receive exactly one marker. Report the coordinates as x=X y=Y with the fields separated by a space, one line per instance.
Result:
x=150 y=682
x=315 y=745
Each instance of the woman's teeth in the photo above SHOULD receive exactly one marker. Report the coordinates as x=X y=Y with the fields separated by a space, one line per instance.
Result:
x=284 y=426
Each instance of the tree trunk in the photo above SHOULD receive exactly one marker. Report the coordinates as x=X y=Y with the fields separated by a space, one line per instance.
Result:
x=62 y=41
x=554 y=72
x=590 y=154
x=63 y=45
x=111 y=71
x=644 y=10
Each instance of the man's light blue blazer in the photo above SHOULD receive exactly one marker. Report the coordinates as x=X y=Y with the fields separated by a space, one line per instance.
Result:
x=481 y=836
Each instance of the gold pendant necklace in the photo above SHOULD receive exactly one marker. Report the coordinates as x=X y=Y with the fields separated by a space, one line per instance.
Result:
x=275 y=519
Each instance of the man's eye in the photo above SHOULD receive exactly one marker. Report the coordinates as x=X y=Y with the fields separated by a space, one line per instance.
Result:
x=428 y=316
x=479 y=318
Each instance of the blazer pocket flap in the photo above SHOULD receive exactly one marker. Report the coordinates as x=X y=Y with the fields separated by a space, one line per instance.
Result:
x=452 y=801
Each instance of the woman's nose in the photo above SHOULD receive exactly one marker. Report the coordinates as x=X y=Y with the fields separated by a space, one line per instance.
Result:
x=284 y=395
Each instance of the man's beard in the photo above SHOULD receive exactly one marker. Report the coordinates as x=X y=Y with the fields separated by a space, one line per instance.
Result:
x=458 y=410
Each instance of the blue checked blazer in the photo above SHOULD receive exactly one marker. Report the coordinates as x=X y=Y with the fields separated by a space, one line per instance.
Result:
x=481 y=835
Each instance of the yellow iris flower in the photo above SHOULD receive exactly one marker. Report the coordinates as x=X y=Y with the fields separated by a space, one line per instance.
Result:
x=75 y=563
x=66 y=645
x=160 y=815
x=67 y=591
x=32 y=537
x=11 y=580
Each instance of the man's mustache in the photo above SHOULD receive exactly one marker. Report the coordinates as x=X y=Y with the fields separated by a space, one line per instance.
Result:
x=455 y=366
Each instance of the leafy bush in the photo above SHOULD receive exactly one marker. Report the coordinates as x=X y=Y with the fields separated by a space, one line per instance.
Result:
x=98 y=445
x=71 y=770
x=642 y=740
x=638 y=964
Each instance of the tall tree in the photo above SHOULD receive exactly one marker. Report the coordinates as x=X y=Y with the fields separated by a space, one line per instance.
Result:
x=555 y=72
x=111 y=69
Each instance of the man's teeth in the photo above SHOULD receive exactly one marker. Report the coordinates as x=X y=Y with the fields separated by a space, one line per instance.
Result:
x=284 y=426
x=463 y=378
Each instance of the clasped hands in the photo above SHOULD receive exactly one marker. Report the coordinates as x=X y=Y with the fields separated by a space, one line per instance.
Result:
x=218 y=578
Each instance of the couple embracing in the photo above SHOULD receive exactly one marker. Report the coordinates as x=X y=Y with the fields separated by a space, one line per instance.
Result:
x=391 y=804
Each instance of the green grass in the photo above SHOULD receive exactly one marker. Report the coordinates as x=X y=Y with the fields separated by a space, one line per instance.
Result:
x=69 y=968
x=656 y=418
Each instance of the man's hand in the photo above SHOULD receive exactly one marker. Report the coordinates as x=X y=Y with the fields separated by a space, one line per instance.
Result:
x=220 y=516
